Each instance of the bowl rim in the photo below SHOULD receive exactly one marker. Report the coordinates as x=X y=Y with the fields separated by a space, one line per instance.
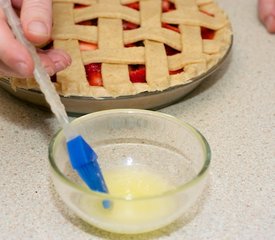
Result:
x=198 y=177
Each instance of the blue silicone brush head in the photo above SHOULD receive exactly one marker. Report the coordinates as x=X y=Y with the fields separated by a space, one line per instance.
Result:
x=84 y=161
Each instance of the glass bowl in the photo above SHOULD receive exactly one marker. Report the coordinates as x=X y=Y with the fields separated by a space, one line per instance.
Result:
x=155 y=167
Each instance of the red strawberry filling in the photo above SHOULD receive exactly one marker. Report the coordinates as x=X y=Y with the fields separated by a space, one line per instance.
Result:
x=134 y=5
x=207 y=13
x=207 y=33
x=166 y=5
x=175 y=71
x=76 y=6
x=170 y=51
x=93 y=73
x=129 y=25
x=173 y=27
x=136 y=44
x=85 y=46
x=137 y=73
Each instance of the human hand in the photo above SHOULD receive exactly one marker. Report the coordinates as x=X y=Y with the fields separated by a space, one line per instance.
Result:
x=36 y=19
x=266 y=11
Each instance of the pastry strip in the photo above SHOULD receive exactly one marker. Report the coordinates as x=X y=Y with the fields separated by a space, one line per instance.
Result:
x=110 y=36
x=157 y=75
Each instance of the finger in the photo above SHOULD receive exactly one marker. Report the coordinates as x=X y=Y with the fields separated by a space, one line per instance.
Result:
x=36 y=17
x=6 y=71
x=59 y=58
x=12 y=53
x=266 y=11
x=53 y=61
x=47 y=63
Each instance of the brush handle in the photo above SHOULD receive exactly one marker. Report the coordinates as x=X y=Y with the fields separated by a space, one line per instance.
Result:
x=40 y=74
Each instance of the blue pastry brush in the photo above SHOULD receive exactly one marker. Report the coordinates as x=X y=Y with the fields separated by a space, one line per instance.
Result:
x=82 y=157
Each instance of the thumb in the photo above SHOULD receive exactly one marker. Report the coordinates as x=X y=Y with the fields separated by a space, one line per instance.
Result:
x=267 y=14
x=36 y=17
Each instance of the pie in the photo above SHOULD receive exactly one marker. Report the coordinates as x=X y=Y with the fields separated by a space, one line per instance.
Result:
x=125 y=47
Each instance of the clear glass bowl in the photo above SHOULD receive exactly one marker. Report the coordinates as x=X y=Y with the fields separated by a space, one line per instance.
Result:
x=163 y=159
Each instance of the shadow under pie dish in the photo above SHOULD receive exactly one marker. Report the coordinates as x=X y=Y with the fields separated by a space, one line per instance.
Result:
x=130 y=49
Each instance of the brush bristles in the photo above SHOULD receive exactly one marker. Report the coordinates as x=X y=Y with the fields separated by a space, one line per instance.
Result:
x=94 y=180
x=92 y=177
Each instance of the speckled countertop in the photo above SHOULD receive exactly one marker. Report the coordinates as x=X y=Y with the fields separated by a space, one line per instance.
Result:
x=235 y=110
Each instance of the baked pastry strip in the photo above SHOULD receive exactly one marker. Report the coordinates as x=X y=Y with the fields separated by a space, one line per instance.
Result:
x=107 y=9
x=191 y=59
x=72 y=80
x=157 y=74
x=187 y=15
x=132 y=55
x=163 y=35
x=110 y=36
x=65 y=28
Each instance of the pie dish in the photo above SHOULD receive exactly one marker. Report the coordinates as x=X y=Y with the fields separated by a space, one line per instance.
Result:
x=126 y=47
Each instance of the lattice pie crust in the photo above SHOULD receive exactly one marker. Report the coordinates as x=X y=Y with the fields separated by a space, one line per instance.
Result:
x=193 y=54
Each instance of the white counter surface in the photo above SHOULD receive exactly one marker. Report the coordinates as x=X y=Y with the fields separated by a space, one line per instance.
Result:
x=235 y=110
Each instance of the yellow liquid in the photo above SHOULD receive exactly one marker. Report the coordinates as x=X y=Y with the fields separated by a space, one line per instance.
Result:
x=134 y=183
x=134 y=213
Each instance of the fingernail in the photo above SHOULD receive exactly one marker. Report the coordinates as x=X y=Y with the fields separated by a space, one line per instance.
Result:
x=67 y=59
x=38 y=28
x=49 y=70
x=59 y=66
x=270 y=23
x=22 y=69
